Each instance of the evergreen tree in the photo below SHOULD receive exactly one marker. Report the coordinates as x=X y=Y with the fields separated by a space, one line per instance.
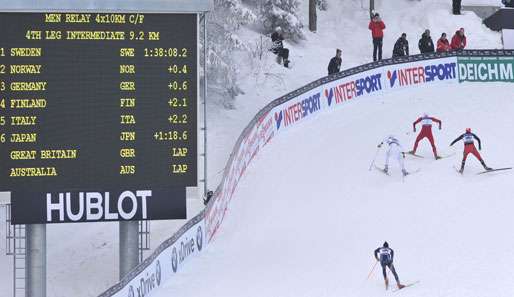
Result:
x=284 y=14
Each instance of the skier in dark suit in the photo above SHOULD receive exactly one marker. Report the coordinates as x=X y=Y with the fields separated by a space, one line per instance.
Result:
x=385 y=255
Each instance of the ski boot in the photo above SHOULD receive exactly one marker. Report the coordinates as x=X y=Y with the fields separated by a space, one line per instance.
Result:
x=387 y=283
x=400 y=286
x=485 y=166
x=286 y=63
x=405 y=172
x=438 y=157
x=386 y=169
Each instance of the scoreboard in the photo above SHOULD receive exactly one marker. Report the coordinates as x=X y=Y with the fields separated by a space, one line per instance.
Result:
x=98 y=115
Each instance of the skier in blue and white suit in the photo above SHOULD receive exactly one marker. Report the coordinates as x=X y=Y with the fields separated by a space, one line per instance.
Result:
x=395 y=150
x=385 y=255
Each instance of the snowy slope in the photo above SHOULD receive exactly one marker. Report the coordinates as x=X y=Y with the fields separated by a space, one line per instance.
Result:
x=308 y=215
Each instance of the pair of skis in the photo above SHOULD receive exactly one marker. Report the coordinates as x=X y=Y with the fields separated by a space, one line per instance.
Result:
x=482 y=172
x=486 y=171
x=439 y=157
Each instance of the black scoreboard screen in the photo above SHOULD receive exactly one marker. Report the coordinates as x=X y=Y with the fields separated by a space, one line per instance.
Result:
x=98 y=115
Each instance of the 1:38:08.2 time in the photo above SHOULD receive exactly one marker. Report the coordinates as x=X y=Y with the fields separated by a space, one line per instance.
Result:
x=161 y=52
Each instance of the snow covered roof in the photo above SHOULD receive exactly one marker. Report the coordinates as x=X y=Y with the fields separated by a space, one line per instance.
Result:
x=144 y=6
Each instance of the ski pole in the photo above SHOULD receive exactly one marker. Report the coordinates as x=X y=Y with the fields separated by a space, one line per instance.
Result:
x=374 y=158
x=372 y=269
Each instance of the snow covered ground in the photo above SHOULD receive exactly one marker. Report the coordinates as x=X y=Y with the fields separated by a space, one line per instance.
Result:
x=308 y=215
x=72 y=247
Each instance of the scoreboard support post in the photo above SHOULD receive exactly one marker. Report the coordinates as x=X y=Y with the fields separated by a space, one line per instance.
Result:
x=35 y=263
x=129 y=243
x=204 y=102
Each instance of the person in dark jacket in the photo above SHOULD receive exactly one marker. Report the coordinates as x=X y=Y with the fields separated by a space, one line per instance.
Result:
x=456 y=6
x=401 y=47
x=385 y=255
x=425 y=44
x=278 y=47
x=443 y=45
x=335 y=63
x=377 y=26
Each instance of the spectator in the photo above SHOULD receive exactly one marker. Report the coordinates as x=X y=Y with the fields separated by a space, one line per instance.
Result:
x=443 y=45
x=335 y=63
x=458 y=40
x=278 y=47
x=425 y=44
x=456 y=6
x=401 y=47
x=508 y=3
x=377 y=33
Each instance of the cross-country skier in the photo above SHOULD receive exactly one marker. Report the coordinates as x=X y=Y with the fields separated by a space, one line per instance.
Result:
x=395 y=149
x=469 y=147
x=385 y=255
x=426 y=131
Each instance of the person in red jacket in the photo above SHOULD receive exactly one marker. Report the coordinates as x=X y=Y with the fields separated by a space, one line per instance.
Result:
x=377 y=26
x=426 y=131
x=443 y=45
x=459 y=40
x=469 y=148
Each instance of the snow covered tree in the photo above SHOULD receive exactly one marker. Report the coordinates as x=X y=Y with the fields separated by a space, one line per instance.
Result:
x=222 y=70
x=282 y=13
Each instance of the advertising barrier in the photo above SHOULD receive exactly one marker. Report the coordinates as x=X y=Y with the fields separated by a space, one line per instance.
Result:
x=293 y=110
x=164 y=262
x=486 y=69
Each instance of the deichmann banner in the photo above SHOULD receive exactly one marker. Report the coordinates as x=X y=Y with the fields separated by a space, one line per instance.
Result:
x=486 y=69
x=289 y=111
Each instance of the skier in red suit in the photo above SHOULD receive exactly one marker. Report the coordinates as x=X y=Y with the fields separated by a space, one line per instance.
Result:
x=469 y=148
x=426 y=131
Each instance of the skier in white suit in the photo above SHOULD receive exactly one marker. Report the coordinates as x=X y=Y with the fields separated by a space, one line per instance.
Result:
x=394 y=150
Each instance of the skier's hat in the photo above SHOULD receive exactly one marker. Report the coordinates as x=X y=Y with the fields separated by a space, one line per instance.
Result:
x=386 y=244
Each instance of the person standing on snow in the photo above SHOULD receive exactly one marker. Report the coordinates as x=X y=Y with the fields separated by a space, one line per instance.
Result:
x=396 y=150
x=456 y=5
x=459 y=40
x=377 y=26
x=469 y=147
x=385 y=255
x=401 y=46
x=443 y=45
x=335 y=63
x=425 y=44
x=278 y=47
x=426 y=131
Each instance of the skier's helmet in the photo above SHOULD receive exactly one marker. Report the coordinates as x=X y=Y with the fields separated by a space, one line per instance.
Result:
x=468 y=130
x=386 y=244
x=425 y=115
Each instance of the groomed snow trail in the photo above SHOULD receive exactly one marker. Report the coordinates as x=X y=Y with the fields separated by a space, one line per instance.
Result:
x=308 y=214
